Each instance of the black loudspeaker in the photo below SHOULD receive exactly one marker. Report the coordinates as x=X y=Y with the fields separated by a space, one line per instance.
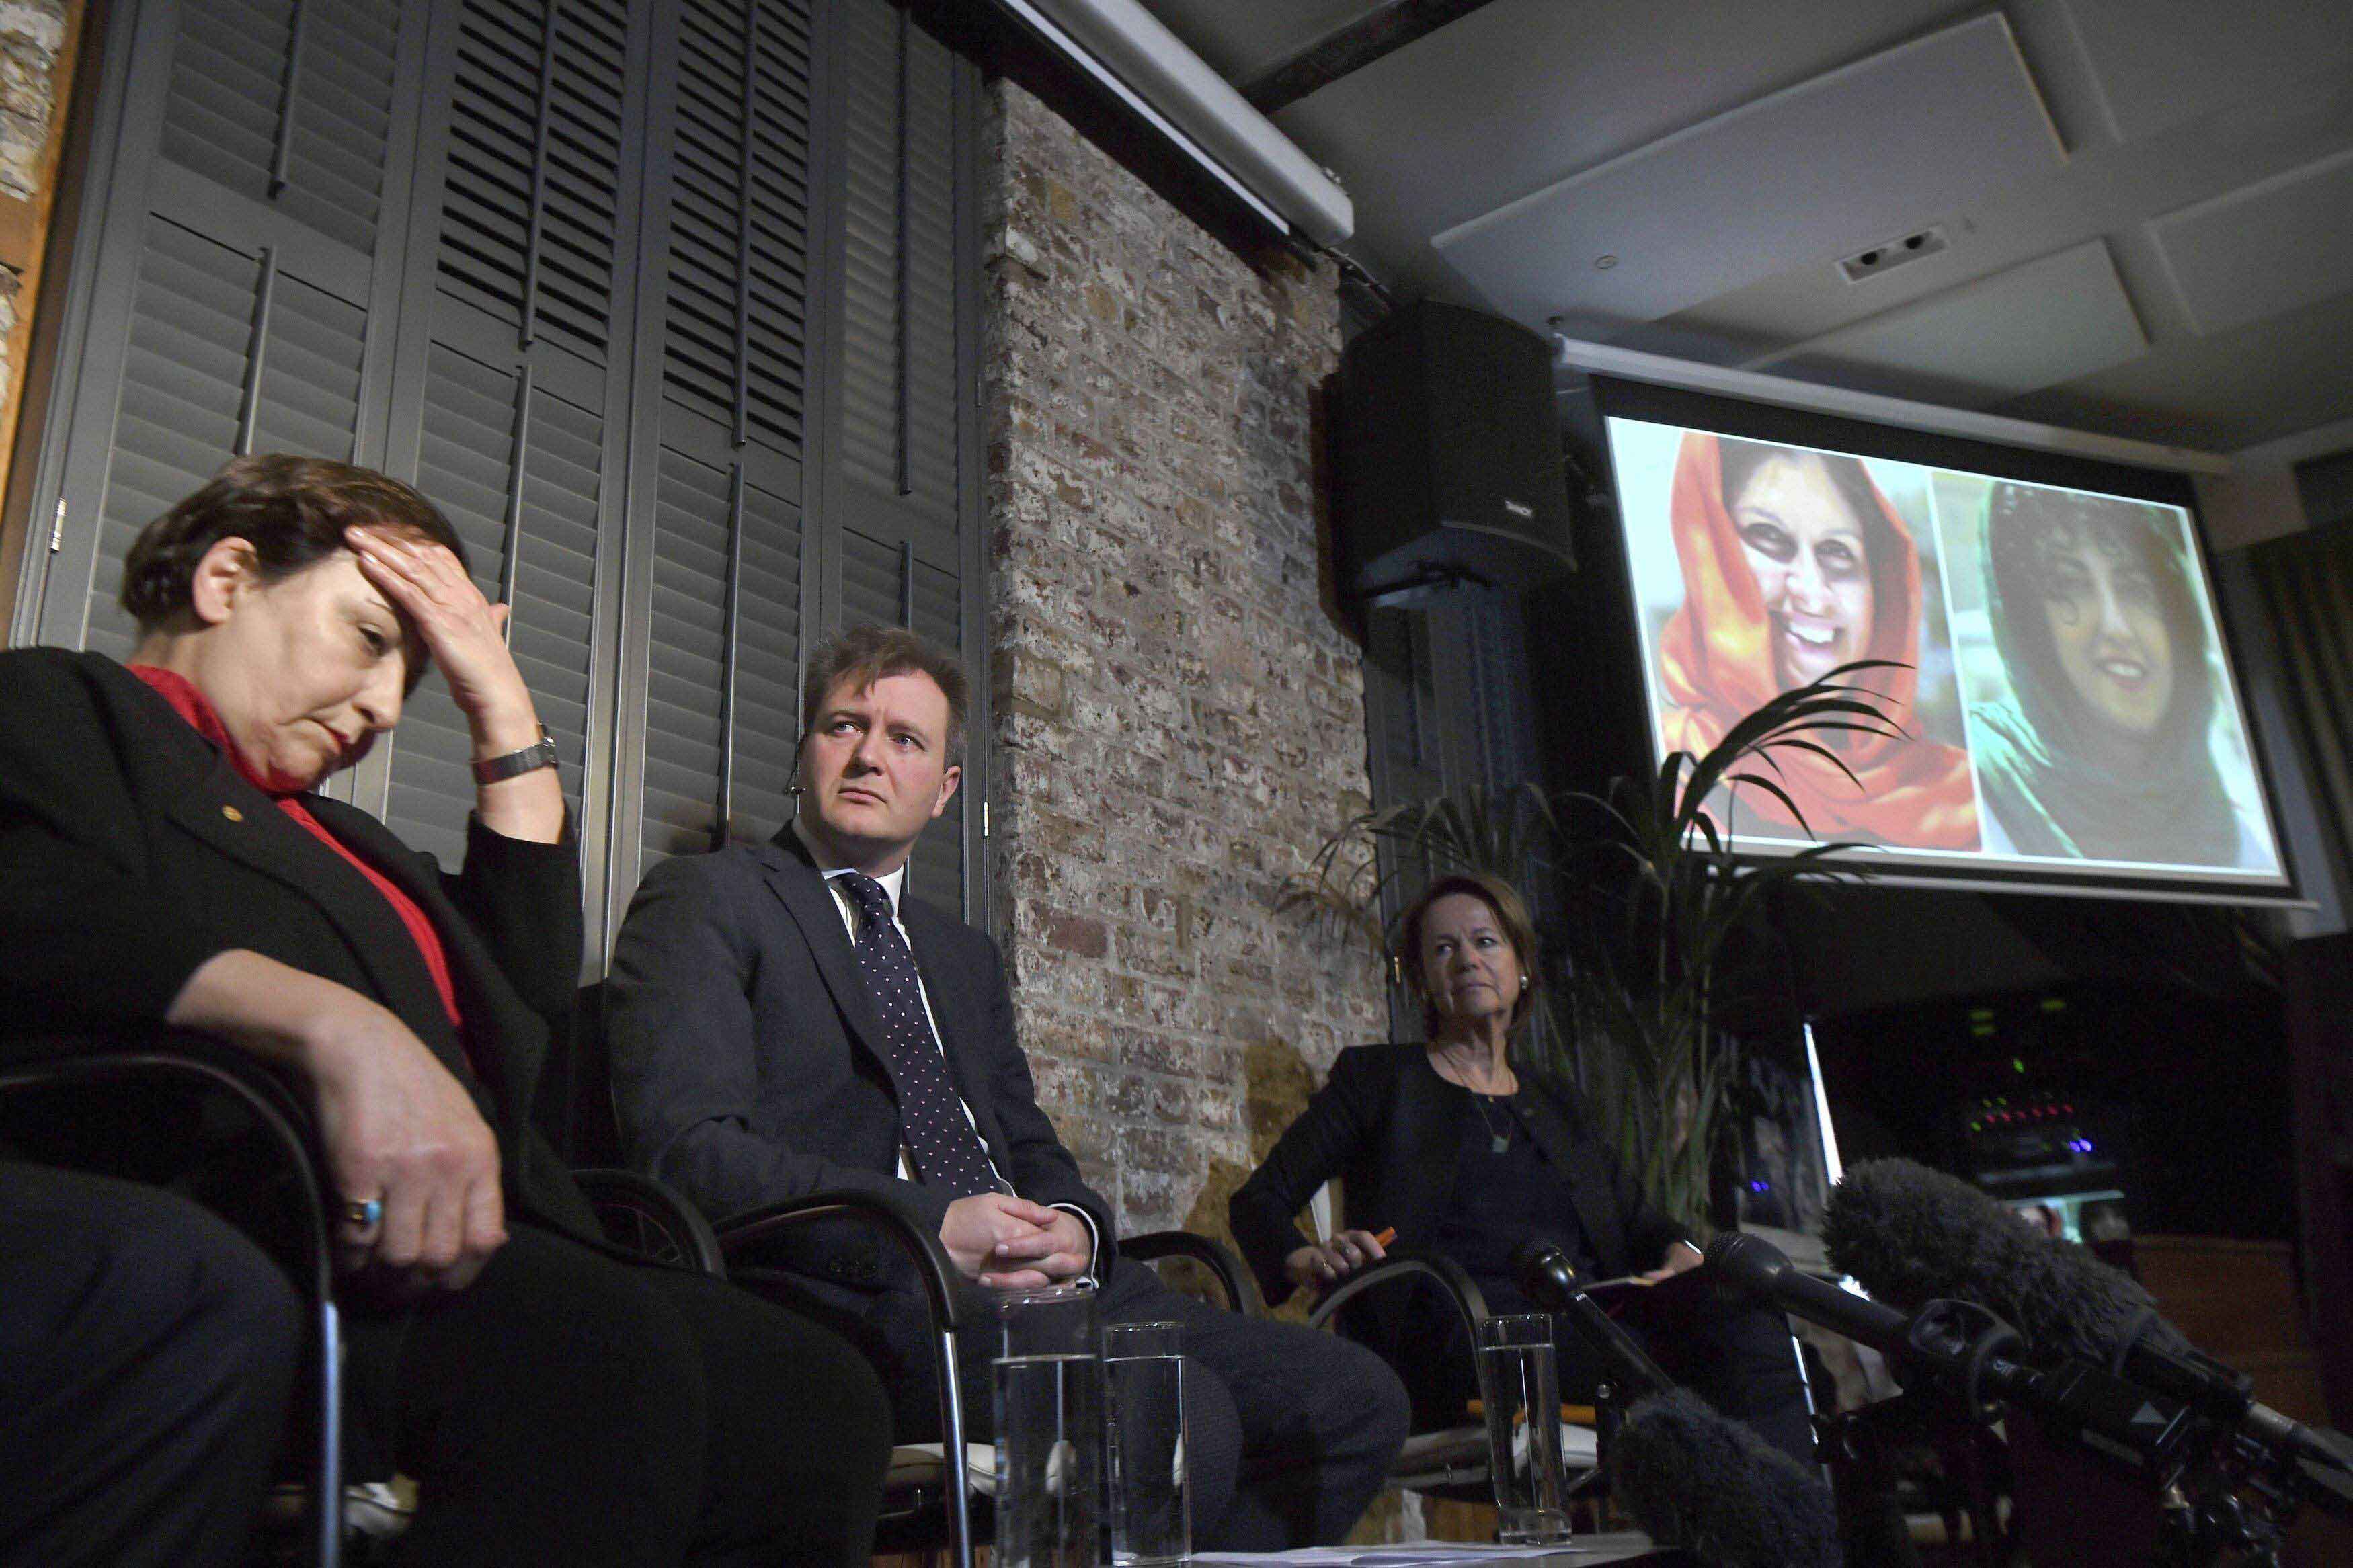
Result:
x=1448 y=455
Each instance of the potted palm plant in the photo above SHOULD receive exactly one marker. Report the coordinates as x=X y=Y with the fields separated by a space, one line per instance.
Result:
x=1665 y=899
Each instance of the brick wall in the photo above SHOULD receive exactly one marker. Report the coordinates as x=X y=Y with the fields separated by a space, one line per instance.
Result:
x=36 y=38
x=1179 y=723
x=32 y=38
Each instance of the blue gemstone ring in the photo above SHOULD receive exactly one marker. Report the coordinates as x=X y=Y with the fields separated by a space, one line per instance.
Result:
x=364 y=1212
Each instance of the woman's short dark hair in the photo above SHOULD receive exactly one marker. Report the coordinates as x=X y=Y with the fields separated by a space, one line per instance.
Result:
x=292 y=510
x=1511 y=912
x=864 y=654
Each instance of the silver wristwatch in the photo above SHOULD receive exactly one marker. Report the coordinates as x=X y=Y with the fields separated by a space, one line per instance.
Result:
x=540 y=753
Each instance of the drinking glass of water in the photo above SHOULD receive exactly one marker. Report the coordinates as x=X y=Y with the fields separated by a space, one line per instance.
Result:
x=1520 y=1385
x=1047 y=1377
x=1143 y=1430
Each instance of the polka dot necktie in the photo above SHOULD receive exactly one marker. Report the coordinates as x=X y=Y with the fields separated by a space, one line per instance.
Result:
x=947 y=1153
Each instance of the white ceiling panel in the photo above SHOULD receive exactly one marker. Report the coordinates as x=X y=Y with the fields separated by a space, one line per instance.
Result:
x=1521 y=93
x=2162 y=62
x=2258 y=383
x=2050 y=320
x=1846 y=159
x=1729 y=154
x=2274 y=246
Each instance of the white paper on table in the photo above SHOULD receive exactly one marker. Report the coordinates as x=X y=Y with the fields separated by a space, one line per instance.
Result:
x=1400 y=1554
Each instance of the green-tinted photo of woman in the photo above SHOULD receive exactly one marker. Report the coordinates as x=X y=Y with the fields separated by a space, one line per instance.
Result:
x=2103 y=748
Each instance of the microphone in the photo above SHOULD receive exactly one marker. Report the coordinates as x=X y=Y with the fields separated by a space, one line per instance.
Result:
x=1688 y=1478
x=1550 y=1281
x=1971 y=1353
x=1909 y=1234
x=1743 y=1265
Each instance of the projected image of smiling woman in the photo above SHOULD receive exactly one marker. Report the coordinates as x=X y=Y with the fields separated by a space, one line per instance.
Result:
x=1793 y=565
x=1806 y=545
x=2102 y=747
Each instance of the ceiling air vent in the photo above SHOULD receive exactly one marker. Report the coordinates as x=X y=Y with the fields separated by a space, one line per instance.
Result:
x=1886 y=258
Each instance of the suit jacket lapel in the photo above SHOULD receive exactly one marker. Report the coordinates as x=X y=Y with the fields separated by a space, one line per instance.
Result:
x=219 y=808
x=1571 y=1156
x=801 y=888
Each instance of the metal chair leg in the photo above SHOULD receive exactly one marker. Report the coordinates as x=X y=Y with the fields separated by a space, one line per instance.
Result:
x=327 y=1487
x=959 y=1488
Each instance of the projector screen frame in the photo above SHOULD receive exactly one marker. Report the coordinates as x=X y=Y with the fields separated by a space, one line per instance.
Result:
x=1612 y=599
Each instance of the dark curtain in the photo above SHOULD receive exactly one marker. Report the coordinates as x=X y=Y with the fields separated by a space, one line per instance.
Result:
x=2306 y=581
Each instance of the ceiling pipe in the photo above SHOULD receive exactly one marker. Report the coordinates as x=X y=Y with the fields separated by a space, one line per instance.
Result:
x=1140 y=61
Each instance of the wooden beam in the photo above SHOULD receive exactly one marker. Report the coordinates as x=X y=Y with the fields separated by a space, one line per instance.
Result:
x=1352 y=48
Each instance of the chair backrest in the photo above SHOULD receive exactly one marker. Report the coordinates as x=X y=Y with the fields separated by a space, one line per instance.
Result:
x=595 y=1131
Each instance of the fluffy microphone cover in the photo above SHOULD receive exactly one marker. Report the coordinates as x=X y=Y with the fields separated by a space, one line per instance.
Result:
x=1912 y=1235
x=1688 y=1478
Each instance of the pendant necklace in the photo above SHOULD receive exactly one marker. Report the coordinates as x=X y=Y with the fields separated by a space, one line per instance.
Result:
x=1498 y=1138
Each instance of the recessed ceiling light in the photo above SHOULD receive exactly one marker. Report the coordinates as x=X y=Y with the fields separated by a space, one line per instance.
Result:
x=1604 y=263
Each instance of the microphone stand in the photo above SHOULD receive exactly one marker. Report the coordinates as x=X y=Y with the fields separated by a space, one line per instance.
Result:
x=2198 y=1464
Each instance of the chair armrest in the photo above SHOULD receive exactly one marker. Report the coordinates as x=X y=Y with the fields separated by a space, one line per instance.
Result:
x=665 y=1226
x=157 y=1053
x=1241 y=1290
x=1403 y=1263
x=188 y=1056
x=742 y=1232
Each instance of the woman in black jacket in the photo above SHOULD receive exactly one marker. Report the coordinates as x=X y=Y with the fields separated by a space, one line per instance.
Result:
x=164 y=860
x=1451 y=1146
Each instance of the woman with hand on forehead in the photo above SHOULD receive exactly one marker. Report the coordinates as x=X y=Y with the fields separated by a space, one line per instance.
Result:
x=164 y=860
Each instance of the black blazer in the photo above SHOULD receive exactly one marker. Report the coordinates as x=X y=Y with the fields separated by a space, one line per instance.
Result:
x=748 y=1065
x=1389 y=1128
x=131 y=851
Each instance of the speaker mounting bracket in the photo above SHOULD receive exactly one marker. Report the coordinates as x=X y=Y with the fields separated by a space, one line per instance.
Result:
x=1431 y=582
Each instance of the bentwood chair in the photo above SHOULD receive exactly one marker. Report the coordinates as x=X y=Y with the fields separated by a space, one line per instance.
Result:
x=928 y=1497
x=927 y=1503
x=61 y=1074
x=1451 y=1459
x=72 y=1077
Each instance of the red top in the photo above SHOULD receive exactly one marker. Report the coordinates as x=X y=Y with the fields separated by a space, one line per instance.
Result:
x=197 y=710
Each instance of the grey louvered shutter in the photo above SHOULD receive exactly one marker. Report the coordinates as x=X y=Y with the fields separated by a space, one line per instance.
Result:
x=716 y=596
x=514 y=359
x=670 y=304
x=902 y=535
x=235 y=303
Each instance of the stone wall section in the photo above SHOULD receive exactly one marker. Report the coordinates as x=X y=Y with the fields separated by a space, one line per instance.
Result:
x=32 y=39
x=35 y=61
x=1178 y=720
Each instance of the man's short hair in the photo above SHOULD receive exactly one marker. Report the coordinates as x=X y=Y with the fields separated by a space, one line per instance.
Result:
x=864 y=654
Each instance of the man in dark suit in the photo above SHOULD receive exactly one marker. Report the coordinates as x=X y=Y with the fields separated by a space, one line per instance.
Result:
x=782 y=1020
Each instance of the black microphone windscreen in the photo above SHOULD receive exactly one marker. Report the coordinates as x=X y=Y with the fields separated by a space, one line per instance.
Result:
x=1910 y=1235
x=1688 y=1478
